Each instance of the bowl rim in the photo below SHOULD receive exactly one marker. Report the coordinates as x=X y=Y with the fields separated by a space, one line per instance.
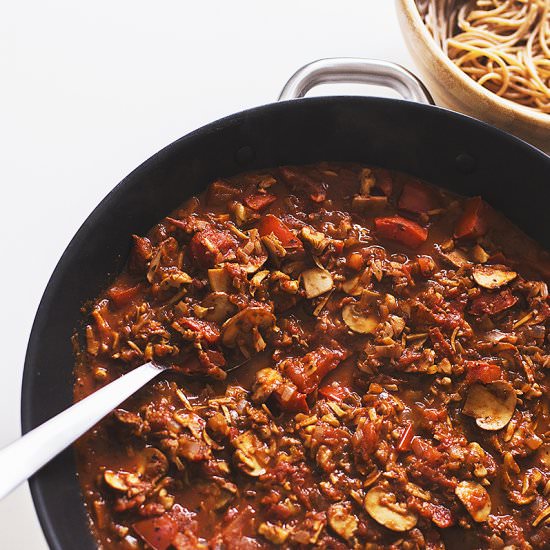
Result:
x=527 y=114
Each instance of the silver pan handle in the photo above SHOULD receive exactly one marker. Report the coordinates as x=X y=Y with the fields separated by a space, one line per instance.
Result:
x=355 y=70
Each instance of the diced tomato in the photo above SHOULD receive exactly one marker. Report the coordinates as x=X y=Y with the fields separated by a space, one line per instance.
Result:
x=365 y=440
x=290 y=399
x=205 y=330
x=308 y=371
x=397 y=228
x=481 y=371
x=406 y=439
x=237 y=524
x=212 y=361
x=384 y=180
x=425 y=450
x=472 y=224
x=493 y=303
x=417 y=197
x=271 y=224
x=210 y=246
x=441 y=346
x=334 y=392
x=440 y=515
x=259 y=201
x=434 y=415
x=158 y=532
x=409 y=356
x=121 y=295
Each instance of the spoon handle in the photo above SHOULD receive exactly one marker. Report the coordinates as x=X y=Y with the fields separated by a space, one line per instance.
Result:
x=28 y=454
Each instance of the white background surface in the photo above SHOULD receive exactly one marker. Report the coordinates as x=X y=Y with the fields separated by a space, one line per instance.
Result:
x=90 y=90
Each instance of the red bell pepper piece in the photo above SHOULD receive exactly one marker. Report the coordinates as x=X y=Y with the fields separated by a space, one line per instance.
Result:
x=472 y=224
x=406 y=439
x=401 y=230
x=417 y=197
x=271 y=224
x=258 y=201
x=158 y=532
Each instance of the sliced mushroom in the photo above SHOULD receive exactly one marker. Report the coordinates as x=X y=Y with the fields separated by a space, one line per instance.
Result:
x=267 y=381
x=492 y=405
x=242 y=214
x=353 y=286
x=255 y=252
x=317 y=240
x=475 y=499
x=363 y=203
x=274 y=533
x=152 y=464
x=342 y=521
x=317 y=281
x=175 y=278
x=257 y=279
x=254 y=263
x=383 y=507
x=219 y=279
x=274 y=246
x=121 y=481
x=478 y=254
x=358 y=321
x=492 y=277
x=241 y=327
x=543 y=455
x=219 y=307
x=456 y=257
x=250 y=454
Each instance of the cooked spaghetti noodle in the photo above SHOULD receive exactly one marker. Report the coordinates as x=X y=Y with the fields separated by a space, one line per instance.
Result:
x=502 y=44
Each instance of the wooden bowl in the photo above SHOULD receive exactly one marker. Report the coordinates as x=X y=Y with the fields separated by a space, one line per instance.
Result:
x=453 y=88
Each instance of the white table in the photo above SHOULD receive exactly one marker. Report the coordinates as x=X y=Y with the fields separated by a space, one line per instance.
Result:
x=90 y=90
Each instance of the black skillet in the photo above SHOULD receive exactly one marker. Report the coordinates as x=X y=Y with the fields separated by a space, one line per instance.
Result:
x=440 y=146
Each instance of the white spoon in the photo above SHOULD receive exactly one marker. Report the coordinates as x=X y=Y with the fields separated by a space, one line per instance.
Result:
x=28 y=454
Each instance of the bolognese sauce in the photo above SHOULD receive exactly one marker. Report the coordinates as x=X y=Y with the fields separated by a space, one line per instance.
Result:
x=359 y=360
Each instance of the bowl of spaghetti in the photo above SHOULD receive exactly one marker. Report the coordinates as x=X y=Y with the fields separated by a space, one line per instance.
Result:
x=486 y=58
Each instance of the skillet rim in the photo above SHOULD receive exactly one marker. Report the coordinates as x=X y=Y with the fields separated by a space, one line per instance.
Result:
x=28 y=407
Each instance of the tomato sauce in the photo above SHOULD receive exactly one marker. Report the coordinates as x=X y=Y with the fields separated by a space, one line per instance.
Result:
x=359 y=360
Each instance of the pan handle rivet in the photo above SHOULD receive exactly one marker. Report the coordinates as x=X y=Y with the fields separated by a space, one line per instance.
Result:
x=465 y=163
